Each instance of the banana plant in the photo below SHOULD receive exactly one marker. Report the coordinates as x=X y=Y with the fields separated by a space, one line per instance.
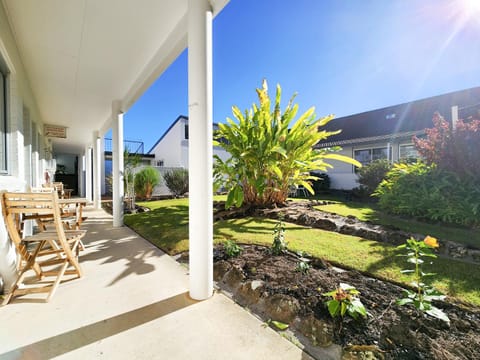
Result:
x=271 y=151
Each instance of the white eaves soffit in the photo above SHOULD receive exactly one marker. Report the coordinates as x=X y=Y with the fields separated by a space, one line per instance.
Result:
x=81 y=55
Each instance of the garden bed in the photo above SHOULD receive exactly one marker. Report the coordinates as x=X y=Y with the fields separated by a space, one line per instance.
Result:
x=272 y=288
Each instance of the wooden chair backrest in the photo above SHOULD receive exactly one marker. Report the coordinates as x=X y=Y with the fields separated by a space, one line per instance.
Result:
x=17 y=205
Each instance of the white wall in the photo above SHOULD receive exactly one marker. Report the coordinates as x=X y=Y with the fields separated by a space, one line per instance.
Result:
x=26 y=147
x=21 y=150
x=169 y=149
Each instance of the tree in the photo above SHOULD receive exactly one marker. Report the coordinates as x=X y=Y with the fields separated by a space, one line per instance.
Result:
x=270 y=151
x=454 y=150
x=145 y=181
x=130 y=162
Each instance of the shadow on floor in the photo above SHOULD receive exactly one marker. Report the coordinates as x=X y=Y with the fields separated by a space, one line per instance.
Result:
x=63 y=343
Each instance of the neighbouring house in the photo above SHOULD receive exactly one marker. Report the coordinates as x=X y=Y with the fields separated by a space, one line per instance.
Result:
x=387 y=133
x=171 y=149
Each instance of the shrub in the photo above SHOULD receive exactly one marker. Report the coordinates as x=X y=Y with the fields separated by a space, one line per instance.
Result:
x=177 y=181
x=231 y=248
x=452 y=150
x=145 y=180
x=270 y=152
x=322 y=183
x=424 y=191
x=371 y=175
x=279 y=244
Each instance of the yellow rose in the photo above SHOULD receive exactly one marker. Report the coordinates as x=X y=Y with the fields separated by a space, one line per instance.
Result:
x=431 y=241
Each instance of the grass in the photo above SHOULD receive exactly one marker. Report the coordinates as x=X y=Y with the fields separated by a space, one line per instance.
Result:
x=369 y=212
x=166 y=226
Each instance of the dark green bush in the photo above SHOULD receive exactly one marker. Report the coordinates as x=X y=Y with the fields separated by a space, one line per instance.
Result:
x=371 y=175
x=426 y=192
x=177 y=181
x=322 y=184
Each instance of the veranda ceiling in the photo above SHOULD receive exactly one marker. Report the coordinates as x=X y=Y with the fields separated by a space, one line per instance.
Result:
x=81 y=55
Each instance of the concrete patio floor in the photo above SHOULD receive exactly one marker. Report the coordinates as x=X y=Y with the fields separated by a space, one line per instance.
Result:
x=133 y=304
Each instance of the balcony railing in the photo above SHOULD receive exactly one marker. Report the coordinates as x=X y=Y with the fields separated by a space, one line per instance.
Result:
x=132 y=146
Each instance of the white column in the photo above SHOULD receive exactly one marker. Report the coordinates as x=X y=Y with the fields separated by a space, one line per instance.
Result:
x=97 y=177
x=454 y=117
x=102 y=164
x=117 y=165
x=200 y=148
x=88 y=173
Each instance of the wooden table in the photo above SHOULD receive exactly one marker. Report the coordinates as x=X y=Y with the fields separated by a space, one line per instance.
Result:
x=79 y=204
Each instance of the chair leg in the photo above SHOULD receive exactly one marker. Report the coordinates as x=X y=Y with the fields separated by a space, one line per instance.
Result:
x=60 y=274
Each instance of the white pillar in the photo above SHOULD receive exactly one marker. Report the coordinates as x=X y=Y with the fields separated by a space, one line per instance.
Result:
x=117 y=165
x=200 y=148
x=102 y=164
x=97 y=177
x=454 y=117
x=88 y=173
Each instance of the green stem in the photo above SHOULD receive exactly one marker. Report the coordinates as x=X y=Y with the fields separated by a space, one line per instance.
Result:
x=418 y=277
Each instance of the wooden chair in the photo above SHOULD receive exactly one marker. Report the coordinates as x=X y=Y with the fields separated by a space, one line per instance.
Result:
x=47 y=253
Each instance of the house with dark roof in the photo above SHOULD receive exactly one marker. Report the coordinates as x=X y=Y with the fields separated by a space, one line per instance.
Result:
x=387 y=133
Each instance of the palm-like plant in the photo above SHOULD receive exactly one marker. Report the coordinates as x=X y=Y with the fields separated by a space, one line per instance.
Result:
x=270 y=152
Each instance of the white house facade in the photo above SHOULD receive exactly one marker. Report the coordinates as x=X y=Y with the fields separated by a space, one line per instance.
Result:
x=172 y=148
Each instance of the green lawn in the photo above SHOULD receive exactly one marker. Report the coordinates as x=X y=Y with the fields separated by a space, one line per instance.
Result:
x=369 y=212
x=167 y=227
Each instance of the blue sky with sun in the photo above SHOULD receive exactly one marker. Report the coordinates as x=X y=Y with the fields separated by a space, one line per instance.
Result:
x=341 y=56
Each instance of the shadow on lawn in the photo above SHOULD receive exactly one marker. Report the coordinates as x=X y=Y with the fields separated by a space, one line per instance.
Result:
x=165 y=227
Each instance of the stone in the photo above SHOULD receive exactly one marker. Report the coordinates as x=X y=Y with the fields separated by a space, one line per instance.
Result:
x=220 y=268
x=281 y=308
x=233 y=278
x=250 y=292
x=320 y=333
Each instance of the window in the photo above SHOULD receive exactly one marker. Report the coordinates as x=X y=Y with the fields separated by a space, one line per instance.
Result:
x=3 y=122
x=366 y=156
x=160 y=163
x=186 y=131
x=407 y=151
x=390 y=116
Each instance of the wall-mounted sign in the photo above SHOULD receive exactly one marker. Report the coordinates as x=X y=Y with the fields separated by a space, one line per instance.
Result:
x=55 y=131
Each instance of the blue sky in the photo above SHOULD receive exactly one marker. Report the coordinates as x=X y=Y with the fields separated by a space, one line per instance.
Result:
x=341 y=56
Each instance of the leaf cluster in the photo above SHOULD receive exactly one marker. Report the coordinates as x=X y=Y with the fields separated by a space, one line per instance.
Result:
x=271 y=151
x=424 y=294
x=145 y=181
x=279 y=244
x=344 y=300
x=232 y=249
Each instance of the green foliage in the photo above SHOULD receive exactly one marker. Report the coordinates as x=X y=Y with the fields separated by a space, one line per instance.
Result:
x=279 y=244
x=270 y=151
x=177 y=181
x=424 y=294
x=303 y=266
x=145 y=180
x=344 y=300
x=424 y=191
x=277 y=324
x=370 y=176
x=232 y=249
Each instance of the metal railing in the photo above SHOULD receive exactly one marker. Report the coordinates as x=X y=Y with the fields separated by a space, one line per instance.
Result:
x=132 y=146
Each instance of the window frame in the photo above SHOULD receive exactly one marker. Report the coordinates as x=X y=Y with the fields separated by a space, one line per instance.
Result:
x=370 y=149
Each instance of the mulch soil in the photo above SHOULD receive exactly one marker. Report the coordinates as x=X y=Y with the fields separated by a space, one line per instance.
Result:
x=398 y=332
